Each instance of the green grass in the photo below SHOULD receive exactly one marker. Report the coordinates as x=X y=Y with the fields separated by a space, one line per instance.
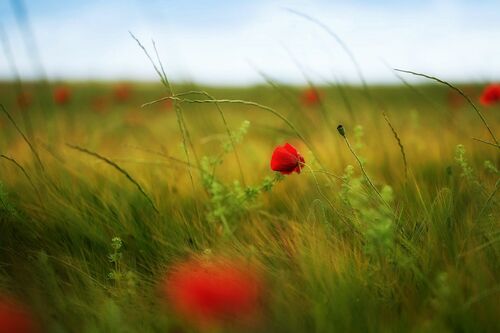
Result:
x=337 y=257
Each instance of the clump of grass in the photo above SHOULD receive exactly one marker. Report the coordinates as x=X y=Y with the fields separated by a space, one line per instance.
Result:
x=119 y=169
x=483 y=120
x=418 y=256
x=123 y=279
x=6 y=209
x=467 y=171
x=229 y=201
x=490 y=167
x=373 y=220
x=30 y=145
x=342 y=133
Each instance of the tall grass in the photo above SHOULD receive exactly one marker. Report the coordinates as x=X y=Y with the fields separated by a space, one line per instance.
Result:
x=357 y=242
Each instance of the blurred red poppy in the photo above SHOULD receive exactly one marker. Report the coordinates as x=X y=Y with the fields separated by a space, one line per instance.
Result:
x=286 y=159
x=62 y=95
x=133 y=118
x=310 y=97
x=164 y=106
x=24 y=99
x=454 y=100
x=99 y=104
x=14 y=318
x=122 y=92
x=209 y=293
x=490 y=95
x=168 y=104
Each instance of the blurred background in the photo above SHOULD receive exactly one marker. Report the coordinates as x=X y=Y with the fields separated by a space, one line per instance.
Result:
x=233 y=42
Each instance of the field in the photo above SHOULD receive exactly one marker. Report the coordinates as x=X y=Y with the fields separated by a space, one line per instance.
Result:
x=392 y=228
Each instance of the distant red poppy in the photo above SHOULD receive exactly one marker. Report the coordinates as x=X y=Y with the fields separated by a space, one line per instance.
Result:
x=209 y=293
x=133 y=118
x=286 y=159
x=165 y=105
x=24 y=99
x=14 y=318
x=490 y=95
x=454 y=100
x=168 y=104
x=122 y=92
x=62 y=95
x=310 y=97
x=99 y=104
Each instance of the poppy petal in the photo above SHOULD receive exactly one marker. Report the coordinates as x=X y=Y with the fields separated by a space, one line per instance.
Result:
x=286 y=159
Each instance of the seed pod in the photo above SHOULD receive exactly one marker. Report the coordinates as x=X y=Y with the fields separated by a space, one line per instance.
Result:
x=340 y=128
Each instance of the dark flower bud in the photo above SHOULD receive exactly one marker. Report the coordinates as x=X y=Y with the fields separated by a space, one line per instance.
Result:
x=340 y=128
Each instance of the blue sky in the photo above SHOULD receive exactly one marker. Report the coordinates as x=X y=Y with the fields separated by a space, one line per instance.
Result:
x=229 y=42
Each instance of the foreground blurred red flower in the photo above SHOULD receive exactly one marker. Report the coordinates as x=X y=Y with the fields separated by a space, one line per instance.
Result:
x=14 y=318
x=215 y=292
x=122 y=92
x=62 y=95
x=286 y=159
x=490 y=95
x=310 y=97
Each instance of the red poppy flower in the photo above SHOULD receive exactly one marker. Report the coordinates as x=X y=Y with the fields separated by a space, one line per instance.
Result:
x=310 y=97
x=122 y=92
x=62 y=95
x=14 y=318
x=211 y=293
x=286 y=159
x=490 y=95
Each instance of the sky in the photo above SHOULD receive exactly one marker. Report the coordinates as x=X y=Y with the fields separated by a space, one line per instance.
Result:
x=242 y=42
